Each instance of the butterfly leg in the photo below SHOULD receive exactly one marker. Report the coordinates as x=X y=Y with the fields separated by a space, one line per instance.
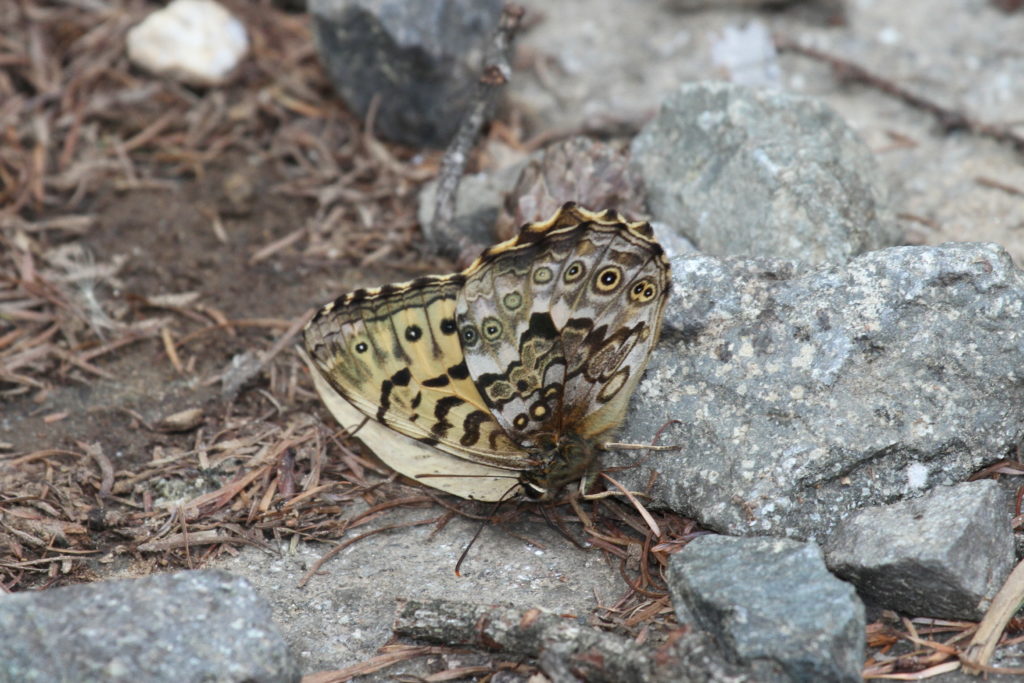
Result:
x=588 y=524
x=611 y=445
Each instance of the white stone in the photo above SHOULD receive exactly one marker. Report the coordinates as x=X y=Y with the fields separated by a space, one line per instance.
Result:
x=917 y=475
x=195 y=41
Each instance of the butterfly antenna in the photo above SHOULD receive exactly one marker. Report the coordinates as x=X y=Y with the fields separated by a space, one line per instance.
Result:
x=480 y=529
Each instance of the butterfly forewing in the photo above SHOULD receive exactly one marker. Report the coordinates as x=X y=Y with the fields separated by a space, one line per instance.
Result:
x=392 y=353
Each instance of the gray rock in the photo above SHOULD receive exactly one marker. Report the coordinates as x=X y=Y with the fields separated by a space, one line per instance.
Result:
x=189 y=626
x=803 y=394
x=944 y=555
x=771 y=601
x=421 y=57
x=741 y=171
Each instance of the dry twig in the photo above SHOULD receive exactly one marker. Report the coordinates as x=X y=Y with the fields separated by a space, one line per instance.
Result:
x=496 y=73
x=949 y=119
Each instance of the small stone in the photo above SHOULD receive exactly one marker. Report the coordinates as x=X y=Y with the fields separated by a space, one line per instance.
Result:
x=477 y=204
x=181 y=421
x=771 y=602
x=195 y=41
x=595 y=175
x=942 y=555
x=241 y=370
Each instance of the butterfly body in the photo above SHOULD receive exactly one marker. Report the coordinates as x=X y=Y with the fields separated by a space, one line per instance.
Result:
x=516 y=365
x=560 y=461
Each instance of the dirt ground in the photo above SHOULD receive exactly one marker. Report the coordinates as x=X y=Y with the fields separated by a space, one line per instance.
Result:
x=151 y=233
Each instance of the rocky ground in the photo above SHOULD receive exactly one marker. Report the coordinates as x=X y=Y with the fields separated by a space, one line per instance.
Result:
x=837 y=375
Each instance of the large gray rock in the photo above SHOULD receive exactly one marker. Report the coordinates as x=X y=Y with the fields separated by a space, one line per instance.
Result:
x=742 y=171
x=944 y=555
x=422 y=58
x=803 y=394
x=189 y=626
x=771 y=601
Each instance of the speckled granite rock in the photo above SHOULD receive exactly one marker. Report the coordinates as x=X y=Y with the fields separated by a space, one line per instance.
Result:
x=772 y=603
x=758 y=172
x=805 y=393
x=189 y=626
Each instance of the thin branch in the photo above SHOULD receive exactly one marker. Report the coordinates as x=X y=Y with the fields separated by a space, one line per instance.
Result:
x=1006 y=603
x=948 y=118
x=496 y=73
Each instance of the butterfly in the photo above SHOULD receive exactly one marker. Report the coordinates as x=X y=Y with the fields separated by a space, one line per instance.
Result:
x=510 y=369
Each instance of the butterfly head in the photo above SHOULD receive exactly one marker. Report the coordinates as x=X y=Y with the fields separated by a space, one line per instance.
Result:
x=562 y=460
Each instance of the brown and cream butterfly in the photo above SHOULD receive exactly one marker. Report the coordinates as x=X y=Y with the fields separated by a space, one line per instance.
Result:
x=509 y=370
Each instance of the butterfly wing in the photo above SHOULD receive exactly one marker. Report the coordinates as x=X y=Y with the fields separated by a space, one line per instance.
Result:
x=557 y=324
x=412 y=458
x=393 y=353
